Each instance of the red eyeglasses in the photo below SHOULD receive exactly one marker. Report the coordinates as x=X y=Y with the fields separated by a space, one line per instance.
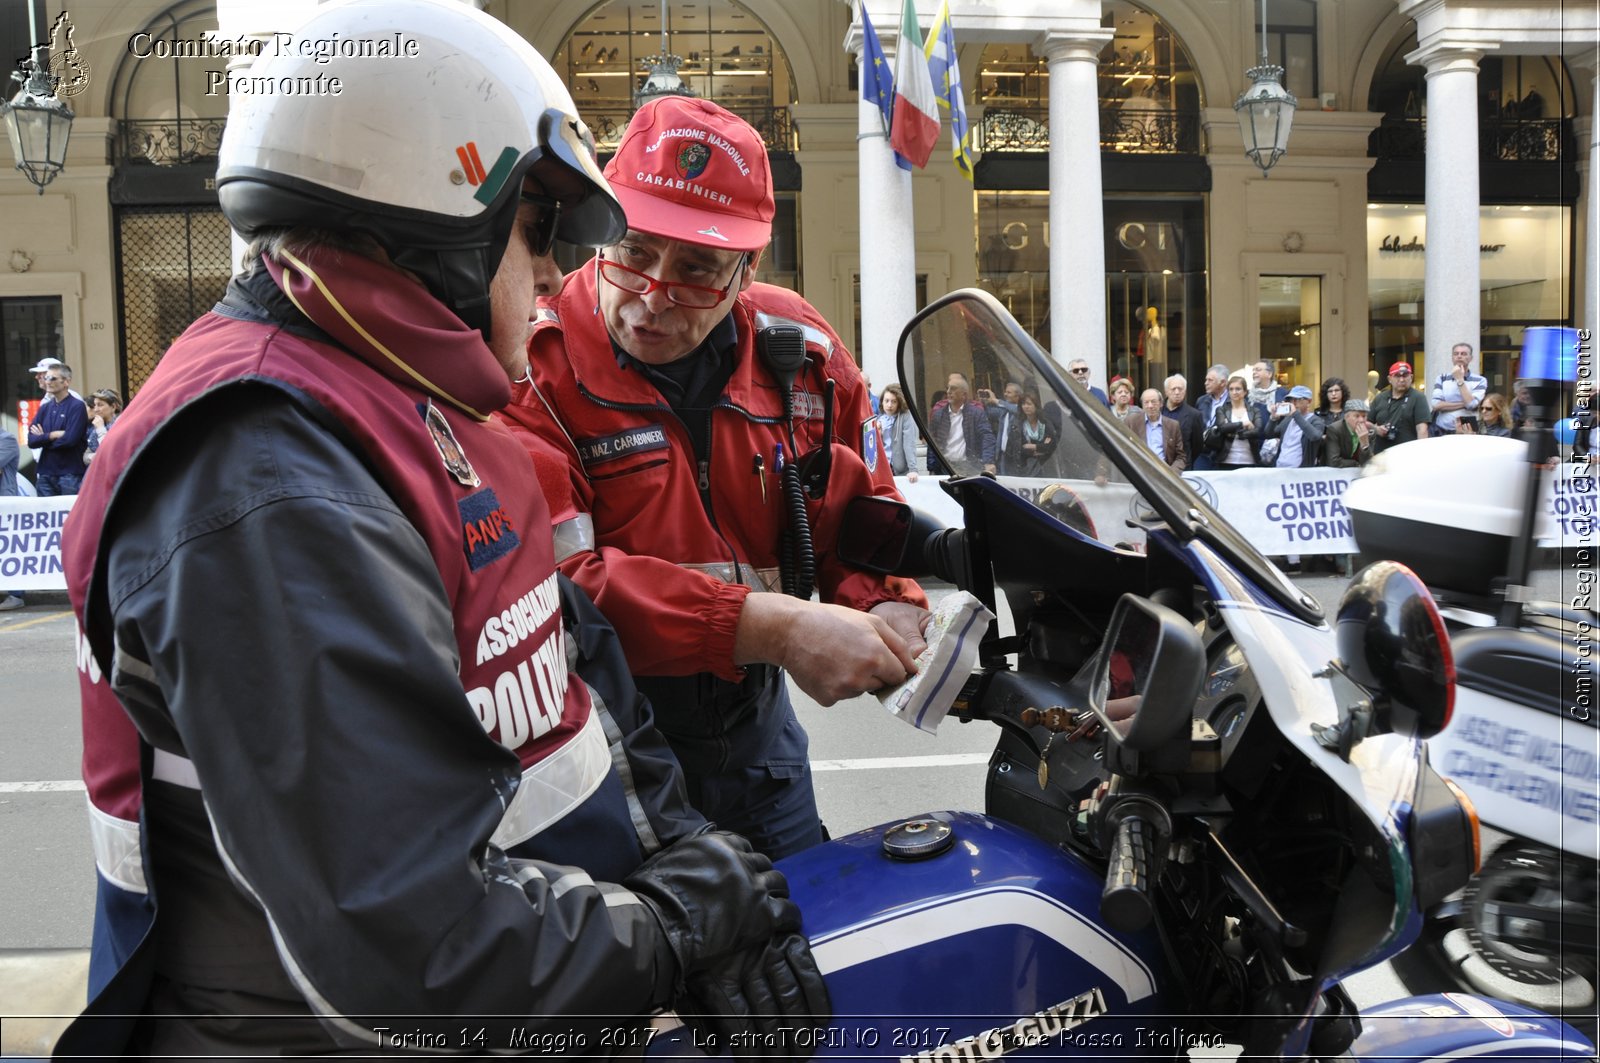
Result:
x=693 y=296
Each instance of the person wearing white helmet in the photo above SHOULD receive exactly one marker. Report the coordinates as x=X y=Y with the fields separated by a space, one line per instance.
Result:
x=355 y=751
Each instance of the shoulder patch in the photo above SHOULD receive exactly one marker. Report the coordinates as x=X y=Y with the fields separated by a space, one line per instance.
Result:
x=486 y=531
x=869 y=443
x=450 y=452
x=638 y=440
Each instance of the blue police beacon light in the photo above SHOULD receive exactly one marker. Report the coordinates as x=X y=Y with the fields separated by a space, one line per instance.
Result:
x=1550 y=356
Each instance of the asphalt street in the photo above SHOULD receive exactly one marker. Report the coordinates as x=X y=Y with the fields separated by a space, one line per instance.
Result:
x=871 y=768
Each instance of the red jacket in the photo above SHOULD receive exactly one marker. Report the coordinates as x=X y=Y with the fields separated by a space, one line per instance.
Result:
x=659 y=557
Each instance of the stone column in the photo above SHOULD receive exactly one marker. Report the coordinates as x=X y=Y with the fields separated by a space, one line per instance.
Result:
x=1077 y=216
x=888 y=266
x=1451 y=282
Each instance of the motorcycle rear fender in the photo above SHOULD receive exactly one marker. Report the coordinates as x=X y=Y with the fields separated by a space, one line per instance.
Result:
x=1459 y=1026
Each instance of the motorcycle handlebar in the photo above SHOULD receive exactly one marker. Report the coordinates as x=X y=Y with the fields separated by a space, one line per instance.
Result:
x=1128 y=901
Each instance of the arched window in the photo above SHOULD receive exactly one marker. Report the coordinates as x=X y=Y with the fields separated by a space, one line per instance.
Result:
x=1524 y=102
x=1149 y=96
x=169 y=105
x=729 y=56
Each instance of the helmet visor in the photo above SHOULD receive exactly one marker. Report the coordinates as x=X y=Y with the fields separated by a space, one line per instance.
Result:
x=596 y=219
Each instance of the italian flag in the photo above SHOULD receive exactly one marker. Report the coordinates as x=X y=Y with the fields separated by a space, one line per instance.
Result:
x=915 y=129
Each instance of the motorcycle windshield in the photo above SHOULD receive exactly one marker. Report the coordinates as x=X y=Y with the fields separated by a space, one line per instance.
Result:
x=989 y=399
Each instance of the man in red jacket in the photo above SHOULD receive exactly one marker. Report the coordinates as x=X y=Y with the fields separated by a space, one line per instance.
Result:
x=661 y=428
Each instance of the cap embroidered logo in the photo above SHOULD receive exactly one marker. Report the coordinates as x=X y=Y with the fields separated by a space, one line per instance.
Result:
x=692 y=159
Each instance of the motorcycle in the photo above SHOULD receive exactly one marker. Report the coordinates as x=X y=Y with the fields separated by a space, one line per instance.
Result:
x=1524 y=745
x=1205 y=808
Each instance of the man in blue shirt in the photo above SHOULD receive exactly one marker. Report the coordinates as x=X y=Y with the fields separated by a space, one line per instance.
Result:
x=62 y=434
x=1458 y=393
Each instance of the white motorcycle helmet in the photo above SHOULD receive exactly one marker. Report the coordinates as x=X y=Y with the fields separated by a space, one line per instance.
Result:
x=413 y=122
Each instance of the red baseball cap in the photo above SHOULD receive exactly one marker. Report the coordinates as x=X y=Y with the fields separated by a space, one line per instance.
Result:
x=1399 y=367
x=690 y=170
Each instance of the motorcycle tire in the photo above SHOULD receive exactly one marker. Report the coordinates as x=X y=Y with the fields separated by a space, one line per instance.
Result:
x=1460 y=951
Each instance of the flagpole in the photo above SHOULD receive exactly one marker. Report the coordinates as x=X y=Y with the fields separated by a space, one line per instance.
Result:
x=887 y=267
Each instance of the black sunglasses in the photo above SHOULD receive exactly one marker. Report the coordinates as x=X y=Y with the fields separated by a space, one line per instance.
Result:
x=542 y=233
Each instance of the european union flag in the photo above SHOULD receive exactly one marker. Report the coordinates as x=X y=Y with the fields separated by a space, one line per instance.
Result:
x=877 y=77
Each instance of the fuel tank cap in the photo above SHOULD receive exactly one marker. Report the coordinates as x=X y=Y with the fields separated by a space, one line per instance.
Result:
x=917 y=839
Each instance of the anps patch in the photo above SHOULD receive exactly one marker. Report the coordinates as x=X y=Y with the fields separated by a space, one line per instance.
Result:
x=640 y=440
x=869 y=443
x=486 y=531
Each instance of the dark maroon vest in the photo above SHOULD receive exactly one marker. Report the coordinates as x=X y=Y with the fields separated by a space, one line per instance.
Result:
x=490 y=541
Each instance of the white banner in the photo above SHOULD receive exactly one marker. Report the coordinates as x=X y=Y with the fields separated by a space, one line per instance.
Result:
x=1281 y=511
x=30 y=543
x=1567 y=517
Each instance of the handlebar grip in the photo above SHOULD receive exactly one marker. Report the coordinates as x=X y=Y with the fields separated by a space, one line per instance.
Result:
x=1127 y=903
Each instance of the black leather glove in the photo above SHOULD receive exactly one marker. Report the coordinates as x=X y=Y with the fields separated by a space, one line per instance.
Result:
x=714 y=896
x=757 y=1002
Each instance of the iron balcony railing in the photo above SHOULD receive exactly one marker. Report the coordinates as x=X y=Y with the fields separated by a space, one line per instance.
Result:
x=1502 y=139
x=168 y=141
x=1142 y=131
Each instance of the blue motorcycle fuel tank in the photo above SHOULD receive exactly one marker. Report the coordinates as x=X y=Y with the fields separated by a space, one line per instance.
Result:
x=977 y=940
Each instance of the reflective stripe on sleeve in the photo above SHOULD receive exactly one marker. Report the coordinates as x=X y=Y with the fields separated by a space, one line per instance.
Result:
x=548 y=790
x=126 y=663
x=757 y=579
x=169 y=767
x=556 y=785
x=574 y=536
x=116 y=850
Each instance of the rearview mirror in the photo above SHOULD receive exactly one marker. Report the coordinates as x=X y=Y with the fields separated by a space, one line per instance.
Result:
x=875 y=534
x=1148 y=677
x=887 y=536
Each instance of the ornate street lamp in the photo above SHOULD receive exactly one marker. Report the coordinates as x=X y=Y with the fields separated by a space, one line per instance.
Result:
x=1265 y=109
x=37 y=122
x=663 y=79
